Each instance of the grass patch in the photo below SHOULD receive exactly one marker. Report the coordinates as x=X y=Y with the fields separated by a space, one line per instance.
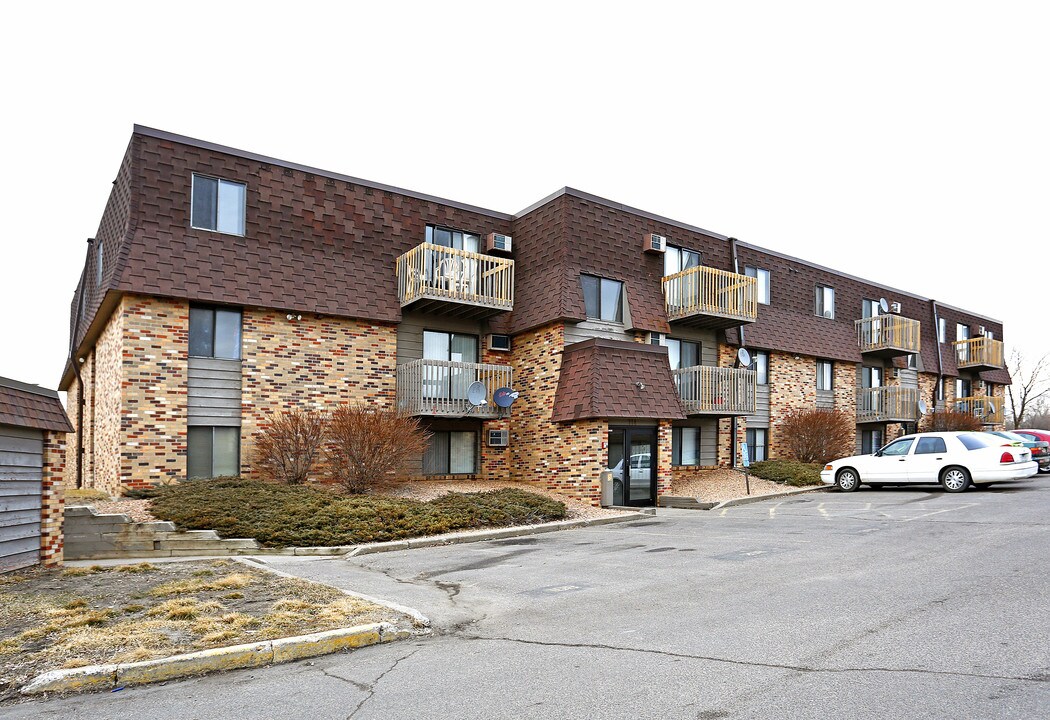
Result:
x=73 y=494
x=290 y=515
x=788 y=472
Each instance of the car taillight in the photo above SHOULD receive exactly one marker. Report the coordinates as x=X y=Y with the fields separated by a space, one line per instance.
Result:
x=1006 y=458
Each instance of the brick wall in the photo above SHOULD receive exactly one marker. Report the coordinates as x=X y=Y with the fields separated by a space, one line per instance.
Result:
x=109 y=375
x=567 y=457
x=52 y=498
x=792 y=386
x=316 y=363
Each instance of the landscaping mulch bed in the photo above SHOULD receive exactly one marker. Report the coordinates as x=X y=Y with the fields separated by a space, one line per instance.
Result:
x=722 y=484
x=51 y=619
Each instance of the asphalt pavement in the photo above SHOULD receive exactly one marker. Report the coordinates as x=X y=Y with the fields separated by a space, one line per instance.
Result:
x=892 y=603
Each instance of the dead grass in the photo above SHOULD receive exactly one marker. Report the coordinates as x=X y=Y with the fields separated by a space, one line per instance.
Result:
x=86 y=616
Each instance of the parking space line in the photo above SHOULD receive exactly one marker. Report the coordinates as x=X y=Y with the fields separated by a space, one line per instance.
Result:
x=938 y=512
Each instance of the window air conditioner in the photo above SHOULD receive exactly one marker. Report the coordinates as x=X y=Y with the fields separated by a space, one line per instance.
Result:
x=895 y=308
x=499 y=438
x=655 y=243
x=499 y=342
x=981 y=331
x=498 y=242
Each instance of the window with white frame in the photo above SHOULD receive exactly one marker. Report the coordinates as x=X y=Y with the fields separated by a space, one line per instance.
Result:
x=760 y=364
x=213 y=452
x=451 y=453
x=761 y=282
x=942 y=330
x=757 y=444
x=603 y=298
x=825 y=302
x=962 y=332
x=218 y=205
x=99 y=257
x=963 y=388
x=685 y=446
x=824 y=375
x=870 y=441
x=677 y=259
x=215 y=332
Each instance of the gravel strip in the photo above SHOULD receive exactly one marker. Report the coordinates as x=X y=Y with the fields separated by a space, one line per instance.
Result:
x=137 y=510
x=723 y=484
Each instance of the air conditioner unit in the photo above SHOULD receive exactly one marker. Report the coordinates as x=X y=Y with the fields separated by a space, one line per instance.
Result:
x=979 y=385
x=499 y=438
x=498 y=242
x=981 y=331
x=499 y=342
x=895 y=308
x=655 y=243
x=655 y=338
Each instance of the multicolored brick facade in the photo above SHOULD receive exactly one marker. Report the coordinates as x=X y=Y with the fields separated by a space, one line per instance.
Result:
x=52 y=499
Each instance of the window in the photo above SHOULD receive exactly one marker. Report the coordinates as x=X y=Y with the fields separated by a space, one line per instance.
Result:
x=218 y=205
x=448 y=382
x=990 y=335
x=677 y=259
x=898 y=447
x=685 y=446
x=762 y=284
x=98 y=263
x=913 y=361
x=213 y=452
x=450 y=453
x=870 y=308
x=824 y=375
x=942 y=330
x=215 y=332
x=870 y=441
x=975 y=441
x=962 y=332
x=603 y=298
x=930 y=445
x=871 y=377
x=760 y=364
x=757 y=444
x=825 y=302
x=682 y=353
x=962 y=388
x=453 y=239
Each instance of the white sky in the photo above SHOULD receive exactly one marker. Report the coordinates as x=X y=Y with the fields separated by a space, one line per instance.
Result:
x=905 y=142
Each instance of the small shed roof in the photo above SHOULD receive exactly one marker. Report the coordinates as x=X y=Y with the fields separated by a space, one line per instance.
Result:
x=31 y=406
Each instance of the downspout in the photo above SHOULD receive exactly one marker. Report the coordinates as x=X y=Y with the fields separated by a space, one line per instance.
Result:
x=80 y=380
x=940 y=362
x=740 y=337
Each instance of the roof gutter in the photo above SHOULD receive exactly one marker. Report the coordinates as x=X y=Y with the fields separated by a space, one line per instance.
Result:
x=75 y=365
x=940 y=361
x=740 y=336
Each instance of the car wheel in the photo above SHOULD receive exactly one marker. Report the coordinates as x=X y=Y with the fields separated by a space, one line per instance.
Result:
x=847 y=480
x=955 y=479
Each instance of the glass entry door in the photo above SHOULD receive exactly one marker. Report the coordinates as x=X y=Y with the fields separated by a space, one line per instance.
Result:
x=632 y=460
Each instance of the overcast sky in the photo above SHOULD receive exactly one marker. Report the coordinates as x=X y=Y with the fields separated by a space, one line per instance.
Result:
x=904 y=142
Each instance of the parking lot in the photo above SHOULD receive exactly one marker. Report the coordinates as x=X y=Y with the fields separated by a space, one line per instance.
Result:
x=892 y=603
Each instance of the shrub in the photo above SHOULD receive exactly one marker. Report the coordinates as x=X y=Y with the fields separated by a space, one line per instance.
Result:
x=288 y=447
x=366 y=444
x=817 y=436
x=789 y=472
x=300 y=515
x=948 y=420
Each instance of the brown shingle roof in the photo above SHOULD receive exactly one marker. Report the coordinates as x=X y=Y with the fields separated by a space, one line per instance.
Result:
x=599 y=379
x=31 y=406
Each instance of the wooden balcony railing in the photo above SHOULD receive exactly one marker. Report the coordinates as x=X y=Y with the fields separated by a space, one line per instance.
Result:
x=888 y=335
x=978 y=352
x=439 y=387
x=708 y=297
x=437 y=273
x=716 y=391
x=887 y=404
x=988 y=410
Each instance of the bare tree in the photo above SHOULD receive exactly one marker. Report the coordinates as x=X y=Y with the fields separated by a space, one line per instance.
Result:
x=948 y=420
x=288 y=447
x=1038 y=415
x=367 y=445
x=817 y=436
x=1029 y=384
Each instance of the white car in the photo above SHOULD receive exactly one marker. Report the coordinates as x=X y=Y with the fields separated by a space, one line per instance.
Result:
x=953 y=459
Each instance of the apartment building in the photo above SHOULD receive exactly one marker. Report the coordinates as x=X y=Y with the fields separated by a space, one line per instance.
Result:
x=223 y=286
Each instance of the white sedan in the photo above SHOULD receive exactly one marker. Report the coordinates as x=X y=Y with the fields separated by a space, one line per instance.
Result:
x=953 y=459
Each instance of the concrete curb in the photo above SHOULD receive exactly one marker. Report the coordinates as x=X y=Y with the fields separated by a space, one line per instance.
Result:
x=747 y=500
x=108 y=677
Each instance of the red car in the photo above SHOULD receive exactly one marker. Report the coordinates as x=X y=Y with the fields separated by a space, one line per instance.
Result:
x=1036 y=436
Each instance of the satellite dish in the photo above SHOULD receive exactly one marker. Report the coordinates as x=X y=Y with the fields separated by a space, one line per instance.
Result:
x=504 y=397
x=991 y=406
x=884 y=305
x=477 y=393
x=922 y=407
x=743 y=357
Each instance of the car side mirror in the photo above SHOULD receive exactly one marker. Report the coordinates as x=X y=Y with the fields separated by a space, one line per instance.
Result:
x=877 y=453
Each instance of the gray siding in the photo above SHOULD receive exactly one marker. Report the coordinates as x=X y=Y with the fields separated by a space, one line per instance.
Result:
x=826 y=399
x=214 y=392
x=761 y=417
x=578 y=332
x=21 y=474
x=410 y=333
x=708 y=438
x=909 y=377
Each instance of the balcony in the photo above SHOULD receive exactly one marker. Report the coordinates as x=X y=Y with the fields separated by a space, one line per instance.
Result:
x=887 y=404
x=710 y=298
x=720 y=392
x=433 y=278
x=979 y=354
x=986 y=409
x=888 y=336
x=439 y=388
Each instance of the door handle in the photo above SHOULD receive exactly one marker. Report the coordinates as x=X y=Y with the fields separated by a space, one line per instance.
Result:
x=901 y=460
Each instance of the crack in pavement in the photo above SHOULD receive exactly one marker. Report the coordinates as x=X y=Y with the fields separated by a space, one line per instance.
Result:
x=360 y=686
x=1040 y=678
x=371 y=687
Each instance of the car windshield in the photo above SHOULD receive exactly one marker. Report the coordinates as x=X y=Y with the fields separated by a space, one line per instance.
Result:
x=975 y=441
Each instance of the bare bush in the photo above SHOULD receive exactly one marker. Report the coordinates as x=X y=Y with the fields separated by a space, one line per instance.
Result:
x=949 y=420
x=288 y=447
x=817 y=436
x=366 y=444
